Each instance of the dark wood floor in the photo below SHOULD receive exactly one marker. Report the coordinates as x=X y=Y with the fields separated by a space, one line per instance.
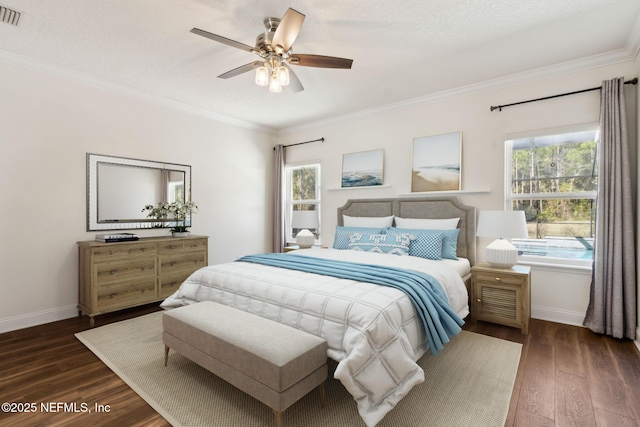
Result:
x=567 y=376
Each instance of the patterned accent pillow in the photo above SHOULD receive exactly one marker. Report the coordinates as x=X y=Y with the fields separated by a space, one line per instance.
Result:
x=418 y=247
x=341 y=238
x=394 y=244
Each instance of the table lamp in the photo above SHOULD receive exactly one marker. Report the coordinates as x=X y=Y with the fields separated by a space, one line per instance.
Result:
x=305 y=220
x=502 y=225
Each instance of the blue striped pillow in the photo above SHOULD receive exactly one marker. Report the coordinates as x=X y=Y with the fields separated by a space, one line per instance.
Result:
x=394 y=244
x=341 y=238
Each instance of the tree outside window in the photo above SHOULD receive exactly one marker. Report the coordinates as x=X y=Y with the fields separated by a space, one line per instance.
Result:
x=303 y=193
x=553 y=179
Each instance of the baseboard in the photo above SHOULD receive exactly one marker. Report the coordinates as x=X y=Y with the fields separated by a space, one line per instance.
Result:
x=38 y=318
x=558 y=316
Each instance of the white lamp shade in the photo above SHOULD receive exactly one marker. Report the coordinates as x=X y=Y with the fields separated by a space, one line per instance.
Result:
x=305 y=220
x=503 y=225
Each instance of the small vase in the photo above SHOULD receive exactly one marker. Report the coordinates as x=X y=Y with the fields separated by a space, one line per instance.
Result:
x=180 y=233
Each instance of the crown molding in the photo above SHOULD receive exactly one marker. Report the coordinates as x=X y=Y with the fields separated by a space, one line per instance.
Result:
x=583 y=64
x=36 y=65
x=633 y=40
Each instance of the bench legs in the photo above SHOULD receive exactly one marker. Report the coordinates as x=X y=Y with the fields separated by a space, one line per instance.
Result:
x=166 y=355
x=278 y=414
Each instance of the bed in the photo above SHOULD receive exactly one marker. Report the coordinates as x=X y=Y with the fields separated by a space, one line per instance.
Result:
x=374 y=332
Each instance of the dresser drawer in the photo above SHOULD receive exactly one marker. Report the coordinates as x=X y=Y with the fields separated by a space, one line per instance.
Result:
x=193 y=245
x=169 y=283
x=188 y=262
x=121 y=271
x=505 y=279
x=126 y=294
x=123 y=252
x=171 y=247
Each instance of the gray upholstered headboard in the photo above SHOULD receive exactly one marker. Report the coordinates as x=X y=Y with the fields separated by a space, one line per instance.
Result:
x=427 y=207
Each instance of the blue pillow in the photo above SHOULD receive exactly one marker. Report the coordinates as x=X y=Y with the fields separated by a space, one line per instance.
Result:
x=449 y=241
x=341 y=239
x=394 y=244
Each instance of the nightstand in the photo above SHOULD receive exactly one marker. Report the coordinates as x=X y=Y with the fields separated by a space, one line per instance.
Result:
x=501 y=295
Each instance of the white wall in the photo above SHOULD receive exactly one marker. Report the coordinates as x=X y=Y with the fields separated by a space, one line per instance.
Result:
x=557 y=294
x=47 y=125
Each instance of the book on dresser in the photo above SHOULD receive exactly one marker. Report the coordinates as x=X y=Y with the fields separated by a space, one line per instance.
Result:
x=116 y=237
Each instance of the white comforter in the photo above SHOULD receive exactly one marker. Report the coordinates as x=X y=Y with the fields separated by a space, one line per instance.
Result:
x=373 y=331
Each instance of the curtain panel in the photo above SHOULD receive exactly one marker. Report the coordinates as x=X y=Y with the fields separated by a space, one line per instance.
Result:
x=278 y=192
x=612 y=305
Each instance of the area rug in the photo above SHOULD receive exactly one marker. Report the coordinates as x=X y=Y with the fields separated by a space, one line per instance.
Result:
x=468 y=383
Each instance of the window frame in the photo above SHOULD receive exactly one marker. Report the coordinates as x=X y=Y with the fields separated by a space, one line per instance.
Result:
x=289 y=202
x=509 y=197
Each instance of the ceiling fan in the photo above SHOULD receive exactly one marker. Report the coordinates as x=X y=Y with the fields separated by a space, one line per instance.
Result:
x=274 y=49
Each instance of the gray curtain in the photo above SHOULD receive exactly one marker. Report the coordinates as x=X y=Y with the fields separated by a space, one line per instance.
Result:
x=612 y=305
x=278 y=188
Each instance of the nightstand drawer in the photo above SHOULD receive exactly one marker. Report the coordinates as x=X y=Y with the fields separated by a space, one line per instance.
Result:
x=506 y=279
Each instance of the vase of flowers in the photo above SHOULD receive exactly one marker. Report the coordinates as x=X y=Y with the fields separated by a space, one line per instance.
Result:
x=175 y=211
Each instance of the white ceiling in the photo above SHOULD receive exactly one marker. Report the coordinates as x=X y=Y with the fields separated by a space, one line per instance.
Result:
x=401 y=50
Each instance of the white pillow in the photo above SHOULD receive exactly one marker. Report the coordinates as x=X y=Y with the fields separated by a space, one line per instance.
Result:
x=366 y=221
x=427 y=224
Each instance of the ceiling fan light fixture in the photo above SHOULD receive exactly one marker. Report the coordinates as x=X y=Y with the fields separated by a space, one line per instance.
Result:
x=274 y=86
x=283 y=75
x=262 y=76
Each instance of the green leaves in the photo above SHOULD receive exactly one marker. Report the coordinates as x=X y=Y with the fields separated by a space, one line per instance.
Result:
x=175 y=211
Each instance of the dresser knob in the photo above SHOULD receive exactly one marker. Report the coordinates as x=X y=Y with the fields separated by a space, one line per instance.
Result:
x=497 y=279
x=112 y=272
x=111 y=296
x=478 y=300
x=172 y=264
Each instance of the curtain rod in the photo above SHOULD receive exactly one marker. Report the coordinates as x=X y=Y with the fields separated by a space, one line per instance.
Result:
x=300 y=143
x=500 y=107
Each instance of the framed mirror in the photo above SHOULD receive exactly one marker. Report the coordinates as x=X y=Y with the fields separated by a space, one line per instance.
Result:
x=118 y=188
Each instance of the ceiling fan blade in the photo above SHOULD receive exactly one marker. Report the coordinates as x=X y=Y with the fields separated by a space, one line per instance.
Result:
x=320 y=61
x=223 y=40
x=240 y=70
x=294 y=81
x=287 y=31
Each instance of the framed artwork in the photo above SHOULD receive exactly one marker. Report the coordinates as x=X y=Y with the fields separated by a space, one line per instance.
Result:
x=363 y=169
x=436 y=163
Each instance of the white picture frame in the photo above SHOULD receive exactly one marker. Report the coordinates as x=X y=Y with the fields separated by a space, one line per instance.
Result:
x=437 y=163
x=363 y=169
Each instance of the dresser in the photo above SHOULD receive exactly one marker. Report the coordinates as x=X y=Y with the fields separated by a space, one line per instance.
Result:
x=114 y=276
x=502 y=295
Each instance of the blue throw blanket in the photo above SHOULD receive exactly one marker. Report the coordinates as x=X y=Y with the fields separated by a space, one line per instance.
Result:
x=439 y=320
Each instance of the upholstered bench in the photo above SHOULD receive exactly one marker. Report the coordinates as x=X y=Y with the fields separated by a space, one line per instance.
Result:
x=274 y=363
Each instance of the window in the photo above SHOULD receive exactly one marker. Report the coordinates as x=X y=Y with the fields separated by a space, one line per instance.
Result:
x=553 y=179
x=302 y=194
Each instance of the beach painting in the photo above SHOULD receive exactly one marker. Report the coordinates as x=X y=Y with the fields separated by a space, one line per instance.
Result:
x=436 y=163
x=363 y=169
